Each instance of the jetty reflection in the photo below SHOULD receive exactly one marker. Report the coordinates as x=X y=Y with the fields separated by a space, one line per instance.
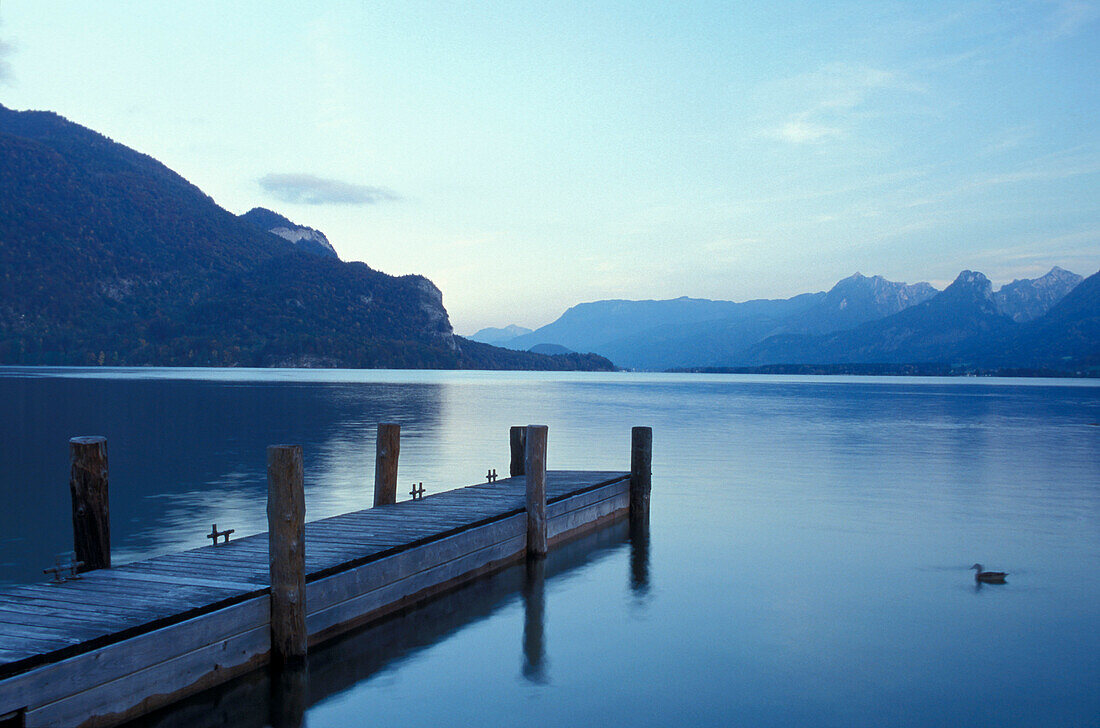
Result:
x=639 y=556
x=282 y=699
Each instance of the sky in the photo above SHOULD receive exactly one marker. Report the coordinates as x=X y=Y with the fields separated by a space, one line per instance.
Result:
x=529 y=156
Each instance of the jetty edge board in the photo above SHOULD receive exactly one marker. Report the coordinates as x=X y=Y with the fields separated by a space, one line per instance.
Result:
x=121 y=642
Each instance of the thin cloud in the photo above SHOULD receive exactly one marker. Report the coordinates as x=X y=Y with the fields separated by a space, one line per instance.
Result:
x=308 y=189
x=801 y=131
x=837 y=94
x=5 y=67
x=1070 y=16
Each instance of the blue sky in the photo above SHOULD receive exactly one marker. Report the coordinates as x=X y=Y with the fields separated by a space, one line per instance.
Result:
x=530 y=156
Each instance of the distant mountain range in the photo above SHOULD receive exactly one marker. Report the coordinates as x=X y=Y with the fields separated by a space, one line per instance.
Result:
x=109 y=257
x=1051 y=322
x=495 y=336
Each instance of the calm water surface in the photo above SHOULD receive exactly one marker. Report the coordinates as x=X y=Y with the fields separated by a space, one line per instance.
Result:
x=806 y=563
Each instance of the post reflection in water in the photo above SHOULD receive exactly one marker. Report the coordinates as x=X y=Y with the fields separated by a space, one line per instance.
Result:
x=289 y=695
x=639 y=557
x=534 y=621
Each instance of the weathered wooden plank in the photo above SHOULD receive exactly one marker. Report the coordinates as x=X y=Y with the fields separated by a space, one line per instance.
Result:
x=109 y=580
x=10 y=610
x=249 y=546
x=553 y=510
x=391 y=595
x=12 y=635
x=165 y=579
x=13 y=622
x=331 y=590
x=7 y=656
x=36 y=594
x=111 y=598
x=33 y=641
x=163 y=682
x=435 y=503
x=53 y=682
x=556 y=494
x=238 y=563
x=335 y=534
x=238 y=571
x=136 y=594
x=425 y=522
x=228 y=560
x=579 y=518
x=388 y=556
x=387 y=522
x=597 y=480
x=387 y=525
x=80 y=605
x=25 y=651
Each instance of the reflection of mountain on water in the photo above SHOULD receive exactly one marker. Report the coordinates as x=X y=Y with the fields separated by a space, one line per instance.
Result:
x=258 y=700
x=185 y=454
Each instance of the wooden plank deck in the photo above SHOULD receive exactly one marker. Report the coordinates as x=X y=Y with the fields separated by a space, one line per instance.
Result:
x=47 y=623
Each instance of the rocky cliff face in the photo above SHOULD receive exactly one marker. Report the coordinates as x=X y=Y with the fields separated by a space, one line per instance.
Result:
x=431 y=304
x=877 y=292
x=855 y=300
x=304 y=238
x=1028 y=299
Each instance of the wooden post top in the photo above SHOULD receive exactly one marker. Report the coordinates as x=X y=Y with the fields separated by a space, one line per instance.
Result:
x=87 y=440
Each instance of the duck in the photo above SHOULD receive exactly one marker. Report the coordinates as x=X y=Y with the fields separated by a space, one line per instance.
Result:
x=988 y=577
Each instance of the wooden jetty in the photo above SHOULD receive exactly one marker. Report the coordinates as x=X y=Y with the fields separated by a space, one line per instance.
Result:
x=120 y=641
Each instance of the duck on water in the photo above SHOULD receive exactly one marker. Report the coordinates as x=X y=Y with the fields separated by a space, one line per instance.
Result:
x=988 y=577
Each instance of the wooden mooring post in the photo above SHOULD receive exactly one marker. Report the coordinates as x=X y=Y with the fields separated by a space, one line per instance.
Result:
x=641 y=464
x=517 y=440
x=91 y=515
x=535 y=470
x=387 y=450
x=286 y=531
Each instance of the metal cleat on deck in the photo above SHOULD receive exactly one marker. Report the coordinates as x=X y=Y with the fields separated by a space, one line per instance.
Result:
x=491 y=476
x=215 y=534
x=417 y=491
x=64 y=568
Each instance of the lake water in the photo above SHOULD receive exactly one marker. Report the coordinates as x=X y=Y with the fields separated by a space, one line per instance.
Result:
x=806 y=562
